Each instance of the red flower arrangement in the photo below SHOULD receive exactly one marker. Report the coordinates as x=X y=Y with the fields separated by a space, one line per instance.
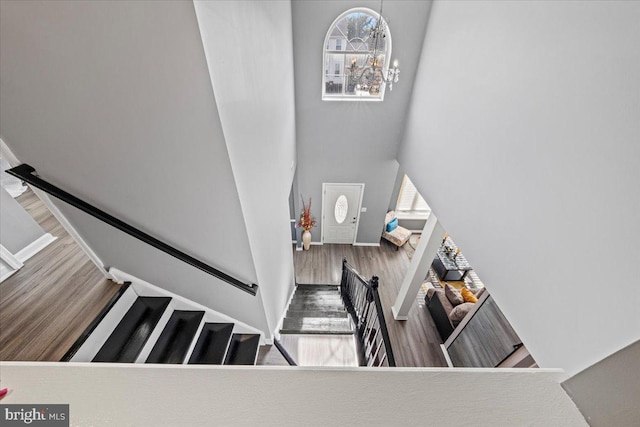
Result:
x=306 y=220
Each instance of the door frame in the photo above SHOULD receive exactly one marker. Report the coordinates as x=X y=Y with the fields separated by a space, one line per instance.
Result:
x=359 y=211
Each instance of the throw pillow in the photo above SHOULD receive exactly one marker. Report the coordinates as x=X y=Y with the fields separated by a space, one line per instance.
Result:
x=453 y=295
x=389 y=216
x=459 y=311
x=392 y=225
x=468 y=296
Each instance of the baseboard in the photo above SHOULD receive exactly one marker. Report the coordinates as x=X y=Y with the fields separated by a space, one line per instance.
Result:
x=178 y=302
x=14 y=161
x=8 y=155
x=446 y=356
x=276 y=333
x=10 y=259
x=5 y=273
x=72 y=231
x=34 y=247
x=316 y=243
x=375 y=245
x=15 y=190
x=10 y=264
x=396 y=316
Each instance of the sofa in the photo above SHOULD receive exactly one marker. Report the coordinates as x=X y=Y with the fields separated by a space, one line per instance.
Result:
x=448 y=314
x=394 y=233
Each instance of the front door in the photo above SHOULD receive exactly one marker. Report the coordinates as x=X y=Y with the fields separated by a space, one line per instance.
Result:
x=341 y=212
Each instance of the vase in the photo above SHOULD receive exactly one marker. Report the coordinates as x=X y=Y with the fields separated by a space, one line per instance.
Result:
x=306 y=240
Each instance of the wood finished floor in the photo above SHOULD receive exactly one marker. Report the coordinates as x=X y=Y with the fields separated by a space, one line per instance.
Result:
x=415 y=342
x=47 y=304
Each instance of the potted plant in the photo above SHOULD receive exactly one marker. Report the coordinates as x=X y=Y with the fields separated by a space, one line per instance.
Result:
x=307 y=222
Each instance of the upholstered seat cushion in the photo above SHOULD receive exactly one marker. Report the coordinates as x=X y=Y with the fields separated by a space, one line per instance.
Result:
x=399 y=235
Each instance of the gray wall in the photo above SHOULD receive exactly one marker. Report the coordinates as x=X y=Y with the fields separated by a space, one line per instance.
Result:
x=258 y=119
x=112 y=101
x=530 y=111
x=351 y=142
x=607 y=393
x=17 y=228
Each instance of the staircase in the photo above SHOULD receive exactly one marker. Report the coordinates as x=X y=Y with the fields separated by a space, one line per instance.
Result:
x=317 y=309
x=160 y=329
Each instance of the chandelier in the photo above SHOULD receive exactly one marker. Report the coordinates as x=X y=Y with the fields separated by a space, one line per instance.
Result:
x=370 y=76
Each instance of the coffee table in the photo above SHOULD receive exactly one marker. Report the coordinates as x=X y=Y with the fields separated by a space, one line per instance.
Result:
x=448 y=267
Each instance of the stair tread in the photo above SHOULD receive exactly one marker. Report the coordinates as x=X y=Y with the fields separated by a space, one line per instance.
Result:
x=302 y=286
x=314 y=306
x=130 y=335
x=315 y=324
x=314 y=300
x=332 y=291
x=317 y=313
x=313 y=332
x=212 y=344
x=317 y=288
x=176 y=337
x=311 y=292
x=243 y=349
x=316 y=297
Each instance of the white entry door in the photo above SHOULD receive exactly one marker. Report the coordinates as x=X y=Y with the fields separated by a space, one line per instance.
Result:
x=341 y=212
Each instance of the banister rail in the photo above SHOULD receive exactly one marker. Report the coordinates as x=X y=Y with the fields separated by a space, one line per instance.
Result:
x=363 y=304
x=28 y=174
x=283 y=351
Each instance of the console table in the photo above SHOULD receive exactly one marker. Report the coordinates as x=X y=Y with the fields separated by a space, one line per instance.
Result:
x=449 y=266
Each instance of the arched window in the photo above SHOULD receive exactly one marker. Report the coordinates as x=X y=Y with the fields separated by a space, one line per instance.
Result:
x=357 y=50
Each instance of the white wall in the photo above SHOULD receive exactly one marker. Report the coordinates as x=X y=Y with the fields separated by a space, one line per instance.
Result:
x=607 y=393
x=112 y=101
x=250 y=58
x=523 y=136
x=198 y=395
x=355 y=141
x=17 y=228
x=10 y=183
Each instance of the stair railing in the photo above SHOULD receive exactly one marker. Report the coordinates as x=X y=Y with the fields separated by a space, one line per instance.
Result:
x=363 y=304
x=283 y=351
x=28 y=174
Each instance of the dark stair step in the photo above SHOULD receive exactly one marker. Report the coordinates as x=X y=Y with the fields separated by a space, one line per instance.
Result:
x=317 y=313
x=308 y=292
x=127 y=339
x=316 y=325
x=316 y=306
x=318 y=301
x=322 y=291
x=316 y=296
x=305 y=287
x=242 y=349
x=176 y=337
x=212 y=344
